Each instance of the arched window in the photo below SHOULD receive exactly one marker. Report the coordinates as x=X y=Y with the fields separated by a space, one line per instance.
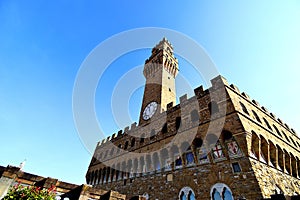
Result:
x=285 y=136
x=164 y=128
x=188 y=154
x=176 y=156
x=132 y=142
x=178 y=122
x=104 y=175
x=273 y=157
x=96 y=178
x=194 y=116
x=126 y=145
x=165 y=159
x=108 y=175
x=186 y=193
x=130 y=168
x=264 y=150
x=254 y=145
x=149 y=165
x=156 y=162
x=142 y=166
x=113 y=173
x=280 y=158
x=118 y=172
x=293 y=141
x=244 y=108
x=135 y=166
x=277 y=131
x=221 y=191
x=142 y=138
x=267 y=123
x=213 y=107
x=256 y=116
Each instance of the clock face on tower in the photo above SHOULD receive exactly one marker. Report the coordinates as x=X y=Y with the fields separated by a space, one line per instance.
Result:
x=149 y=110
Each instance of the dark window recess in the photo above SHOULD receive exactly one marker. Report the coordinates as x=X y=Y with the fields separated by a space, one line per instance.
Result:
x=197 y=142
x=267 y=123
x=285 y=136
x=194 y=116
x=164 y=128
x=276 y=129
x=227 y=135
x=256 y=116
x=236 y=167
x=126 y=145
x=132 y=142
x=125 y=180
x=142 y=140
x=244 y=108
x=178 y=122
x=213 y=107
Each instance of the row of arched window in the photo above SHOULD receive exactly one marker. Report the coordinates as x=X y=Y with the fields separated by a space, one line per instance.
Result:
x=279 y=134
x=273 y=155
x=169 y=159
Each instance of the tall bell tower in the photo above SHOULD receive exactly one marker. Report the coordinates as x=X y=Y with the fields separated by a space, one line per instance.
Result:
x=160 y=70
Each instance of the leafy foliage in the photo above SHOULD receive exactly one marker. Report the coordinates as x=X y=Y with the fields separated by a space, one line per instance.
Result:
x=30 y=192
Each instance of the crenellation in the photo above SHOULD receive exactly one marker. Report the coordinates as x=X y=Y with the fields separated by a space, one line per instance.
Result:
x=255 y=102
x=273 y=116
x=286 y=126
x=199 y=92
x=126 y=129
x=133 y=126
x=120 y=132
x=264 y=109
x=169 y=106
x=246 y=96
x=183 y=98
x=234 y=87
x=218 y=82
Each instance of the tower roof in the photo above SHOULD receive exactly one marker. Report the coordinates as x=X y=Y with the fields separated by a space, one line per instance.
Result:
x=163 y=44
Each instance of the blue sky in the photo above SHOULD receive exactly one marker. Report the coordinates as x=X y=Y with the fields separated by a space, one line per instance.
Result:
x=42 y=45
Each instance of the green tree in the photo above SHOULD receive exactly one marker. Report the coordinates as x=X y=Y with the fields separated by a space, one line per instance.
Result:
x=30 y=192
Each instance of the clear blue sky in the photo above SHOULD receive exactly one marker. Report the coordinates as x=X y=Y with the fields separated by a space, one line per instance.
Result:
x=42 y=45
